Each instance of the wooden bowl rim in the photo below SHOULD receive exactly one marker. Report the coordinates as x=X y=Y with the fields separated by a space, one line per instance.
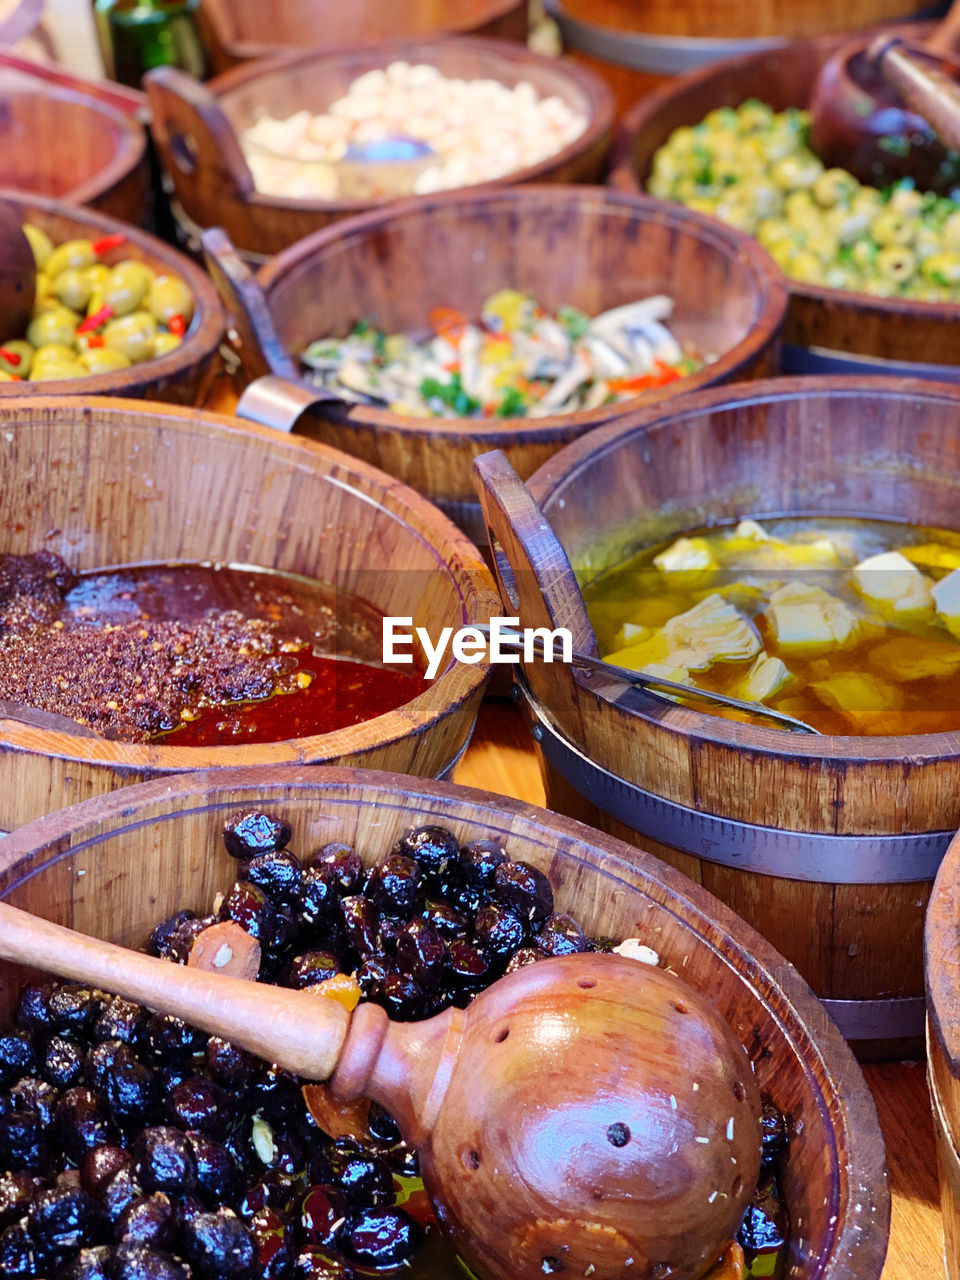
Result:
x=753 y=261
x=599 y=101
x=218 y=15
x=131 y=149
x=941 y=939
x=922 y=748
x=622 y=176
x=858 y=1179
x=452 y=688
x=202 y=339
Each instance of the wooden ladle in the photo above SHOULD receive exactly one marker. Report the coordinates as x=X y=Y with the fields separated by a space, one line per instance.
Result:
x=886 y=110
x=18 y=275
x=588 y=1114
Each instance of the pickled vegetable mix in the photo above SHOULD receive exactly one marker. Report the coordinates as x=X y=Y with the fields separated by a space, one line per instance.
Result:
x=518 y=361
x=850 y=625
x=753 y=168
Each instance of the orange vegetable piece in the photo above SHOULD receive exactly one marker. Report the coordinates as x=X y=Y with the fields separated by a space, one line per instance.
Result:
x=732 y=1265
x=448 y=323
x=342 y=987
x=337 y=1119
x=226 y=948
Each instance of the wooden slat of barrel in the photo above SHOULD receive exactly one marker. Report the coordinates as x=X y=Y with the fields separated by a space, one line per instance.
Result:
x=823 y=445
x=119 y=482
x=239 y=30
x=834 y=1180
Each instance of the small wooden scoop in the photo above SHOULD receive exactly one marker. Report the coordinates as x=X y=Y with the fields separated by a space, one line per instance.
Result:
x=587 y=1115
x=18 y=275
x=886 y=110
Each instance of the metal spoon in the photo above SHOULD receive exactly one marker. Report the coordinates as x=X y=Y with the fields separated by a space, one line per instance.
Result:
x=655 y=684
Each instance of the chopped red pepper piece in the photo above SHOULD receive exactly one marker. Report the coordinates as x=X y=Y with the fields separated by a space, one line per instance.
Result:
x=96 y=320
x=177 y=326
x=96 y=340
x=105 y=243
x=11 y=357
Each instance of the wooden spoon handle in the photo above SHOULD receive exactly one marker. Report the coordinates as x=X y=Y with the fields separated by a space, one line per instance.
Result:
x=922 y=86
x=260 y=347
x=533 y=572
x=946 y=38
x=302 y=1033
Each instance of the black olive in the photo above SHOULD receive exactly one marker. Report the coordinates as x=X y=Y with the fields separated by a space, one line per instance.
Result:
x=17 y=1192
x=395 y=885
x=499 y=931
x=278 y=873
x=218 y=1177
x=479 y=861
x=165 y=1161
x=231 y=1067
x=381 y=1237
x=89 y=1264
x=23 y=1147
x=318 y=1263
x=317 y=898
x=467 y=965
x=765 y=1224
x=370 y=977
x=274 y=1244
x=181 y=944
x=323 y=1210
x=61 y=1220
x=17 y=1055
x=525 y=956
x=148 y=1220
x=402 y=998
x=274 y=1191
x=250 y=908
x=433 y=848
x=100 y=1165
x=345 y=864
x=447 y=921
x=360 y=924
x=219 y=1245
x=310 y=968
x=773 y=1127
x=422 y=954
x=131 y=1091
x=388 y=935
x=62 y=1063
x=171 y=1042
x=525 y=890
x=382 y=1126
x=354 y=1170
x=18 y=1253
x=255 y=833
x=119 y=1190
x=203 y=1105
x=120 y=1020
x=140 y=1262
x=158 y=944
x=33 y=1008
x=278 y=1094
x=81 y=1123
x=31 y=1094
x=74 y=1009
x=561 y=935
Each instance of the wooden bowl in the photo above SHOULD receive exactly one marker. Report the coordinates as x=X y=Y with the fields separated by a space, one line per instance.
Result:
x=75 y=868
x=238 y=30
x=827 y=330
x=827 y=845
x=586 y=246
x=942 y=964
x=71 y=146
x=197 y=134
x=114 y=482
x=183 y=375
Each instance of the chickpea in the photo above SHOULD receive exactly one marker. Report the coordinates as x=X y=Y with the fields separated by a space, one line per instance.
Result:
x=133 y=335
x=806 y=266
x=908 y=202
x=950 y=233
x=735 y=215
x=864 y=254
x=774 y=231
x=834 y=186
x=797 y=171
x=58 y=325
x=942 y=269
x=755 y=115
x=894 y=228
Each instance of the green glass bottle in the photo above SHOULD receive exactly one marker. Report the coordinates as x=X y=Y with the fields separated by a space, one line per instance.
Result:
x=137 y=35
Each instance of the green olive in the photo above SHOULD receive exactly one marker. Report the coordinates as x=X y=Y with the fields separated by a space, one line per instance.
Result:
x=17 y=346
x=104 y=360
x=53 y=351
x=894 y=228
x=58 y=371
x=128 y=286
x=8 y=377
x=165 y=343
x=170 y=297
x=942 y=269
x=98 y=275
x=72 y=287
x=896 y=262
x=73 y=253
x=134 y=335
x=834 y=186
x=40 y=243
x=57 y=325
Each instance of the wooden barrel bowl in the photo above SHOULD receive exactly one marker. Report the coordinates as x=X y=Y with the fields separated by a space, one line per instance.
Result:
x=638 y=47
x=182 y=376
x=827 y=330
x=112 y=482
x=198 y=134
x=77 y=867
x=942 y=965
x=586 y=246
x=239 y=30
x=69 y=145
x=827 y=845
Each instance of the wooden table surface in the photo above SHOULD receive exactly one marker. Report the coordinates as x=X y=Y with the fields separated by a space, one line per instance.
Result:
x=501 y=758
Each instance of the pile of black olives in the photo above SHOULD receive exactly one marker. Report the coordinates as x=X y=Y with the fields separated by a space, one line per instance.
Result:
x=134 y=1147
